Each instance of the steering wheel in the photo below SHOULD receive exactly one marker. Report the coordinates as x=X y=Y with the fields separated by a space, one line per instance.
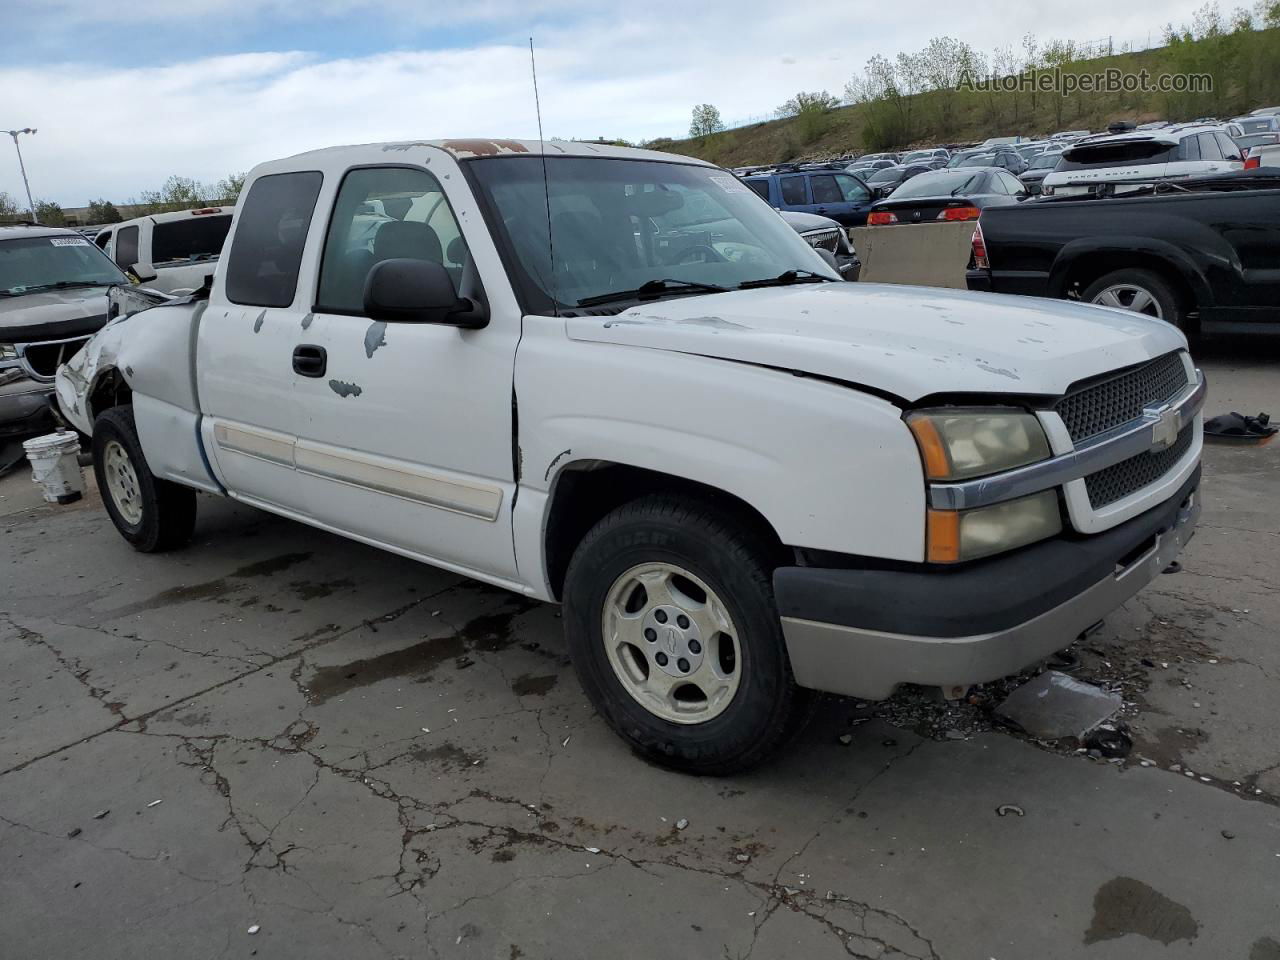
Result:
x=709 y=255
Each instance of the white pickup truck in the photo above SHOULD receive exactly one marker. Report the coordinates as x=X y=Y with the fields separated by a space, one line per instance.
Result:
x=170 y=252
x=618 y=380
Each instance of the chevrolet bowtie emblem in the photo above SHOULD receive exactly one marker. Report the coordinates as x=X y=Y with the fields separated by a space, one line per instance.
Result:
x=1166 y=424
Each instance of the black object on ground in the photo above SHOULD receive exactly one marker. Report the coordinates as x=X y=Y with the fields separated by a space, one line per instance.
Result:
x=1237 y=428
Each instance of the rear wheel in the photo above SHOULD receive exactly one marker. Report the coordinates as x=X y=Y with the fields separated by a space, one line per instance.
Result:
x=670 y=619
x=1140 y=291
x=151 y=513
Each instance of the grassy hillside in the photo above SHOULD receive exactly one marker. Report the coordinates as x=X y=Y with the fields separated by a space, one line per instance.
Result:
x=1243 y=63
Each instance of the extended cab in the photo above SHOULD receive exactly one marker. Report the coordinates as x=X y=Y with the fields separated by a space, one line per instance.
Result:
x=1199 y=253
x=171 y=252
x=53 y=295
x=743 y=480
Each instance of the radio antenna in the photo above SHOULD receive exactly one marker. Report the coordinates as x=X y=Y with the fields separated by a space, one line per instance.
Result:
x=546 y=186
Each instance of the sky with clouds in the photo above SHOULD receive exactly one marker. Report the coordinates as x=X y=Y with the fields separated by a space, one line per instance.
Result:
x=123 y=95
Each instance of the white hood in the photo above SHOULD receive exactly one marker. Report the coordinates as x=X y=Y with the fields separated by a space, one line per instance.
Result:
x=907 y=341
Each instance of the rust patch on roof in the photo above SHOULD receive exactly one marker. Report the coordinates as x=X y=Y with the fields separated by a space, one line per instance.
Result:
x=483 y=148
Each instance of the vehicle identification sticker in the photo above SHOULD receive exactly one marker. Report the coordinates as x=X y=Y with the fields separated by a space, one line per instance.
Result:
x=729 y=185
x=69 y=241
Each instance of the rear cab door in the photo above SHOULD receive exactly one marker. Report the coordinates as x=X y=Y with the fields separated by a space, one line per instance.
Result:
x=793 y=193
x=248 y=337
x=840 y=197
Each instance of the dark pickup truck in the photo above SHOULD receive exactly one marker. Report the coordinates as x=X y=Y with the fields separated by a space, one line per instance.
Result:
x=1203 y=254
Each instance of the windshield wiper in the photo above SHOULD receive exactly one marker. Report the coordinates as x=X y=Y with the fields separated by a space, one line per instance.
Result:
x=785 y=278
x=67 y=285
x=651 y=290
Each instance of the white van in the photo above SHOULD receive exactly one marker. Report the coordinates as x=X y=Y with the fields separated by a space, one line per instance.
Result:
x=1143 y=157
x=180 y=248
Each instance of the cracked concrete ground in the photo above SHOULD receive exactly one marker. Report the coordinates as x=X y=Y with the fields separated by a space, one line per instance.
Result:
x=363 y=757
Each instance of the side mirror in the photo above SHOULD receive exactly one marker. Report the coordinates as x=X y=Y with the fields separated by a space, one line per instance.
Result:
x=143 y=272
x=418 y=291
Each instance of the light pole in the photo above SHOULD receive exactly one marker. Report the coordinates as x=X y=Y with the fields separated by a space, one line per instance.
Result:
x=22 y=166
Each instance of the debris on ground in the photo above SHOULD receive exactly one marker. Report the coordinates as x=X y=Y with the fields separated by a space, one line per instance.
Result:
x=71 y=835
x=1110 y=741
x=1237 y=428
x=743 y=858
x=253 y=929
x=155 y=803
x=846 y=739
x=1055 y=705
x=100 y=814
x=591 y=849
x=1228 y=835
x=681 y=823
x=1007 y=808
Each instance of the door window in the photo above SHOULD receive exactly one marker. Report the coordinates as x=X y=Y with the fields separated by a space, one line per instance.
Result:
x=825 y=190
x=1209 y=149
x=126 y=247
x=851 y=189
x=1230 y=149
x=262 y=268
x=385 y=213
x=1190 y=149
x=793 y=191
x=761 y=187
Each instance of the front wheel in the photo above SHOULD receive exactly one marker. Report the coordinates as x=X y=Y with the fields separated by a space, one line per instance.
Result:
x=1140 y=291
x=151 y=513
x=670 y=619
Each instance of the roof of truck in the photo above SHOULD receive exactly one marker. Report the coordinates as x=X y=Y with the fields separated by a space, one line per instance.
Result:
x=471 y=148
x=16 y=231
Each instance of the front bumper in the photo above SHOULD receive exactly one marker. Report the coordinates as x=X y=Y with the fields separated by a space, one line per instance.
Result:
x=850 y=267
x=24 y=407
x=862 y=632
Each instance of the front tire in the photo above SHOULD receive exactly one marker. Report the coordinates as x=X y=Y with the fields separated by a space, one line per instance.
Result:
x=671 y=624
x=152 y=514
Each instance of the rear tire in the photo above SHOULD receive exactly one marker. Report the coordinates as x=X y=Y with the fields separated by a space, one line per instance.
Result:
x=152 y=514
x=1143 y=291
x=706 y=687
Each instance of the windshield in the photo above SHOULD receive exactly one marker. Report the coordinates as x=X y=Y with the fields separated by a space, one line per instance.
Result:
x=1045 y=161
x=886 y=175
x=981 y=160
x=1258 y=139
x=1118 y=153
x=940 y=183
x=1257 y=125
x=619 y=224
x=29 y=264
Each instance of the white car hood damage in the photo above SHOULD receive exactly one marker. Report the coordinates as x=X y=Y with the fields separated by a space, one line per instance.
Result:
x=909 y=342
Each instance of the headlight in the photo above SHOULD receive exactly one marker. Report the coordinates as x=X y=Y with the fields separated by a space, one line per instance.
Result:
x=956 y=536
x=957 y=445
x=8 y=352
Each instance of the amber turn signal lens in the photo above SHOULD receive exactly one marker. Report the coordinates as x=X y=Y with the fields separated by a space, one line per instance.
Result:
x=933 y=451
x=943 y=536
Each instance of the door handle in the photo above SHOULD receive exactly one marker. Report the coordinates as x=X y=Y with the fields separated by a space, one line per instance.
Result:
x=310 y=360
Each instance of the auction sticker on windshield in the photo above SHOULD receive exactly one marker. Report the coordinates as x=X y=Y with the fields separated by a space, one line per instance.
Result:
x=69 y=241
x=729 y=185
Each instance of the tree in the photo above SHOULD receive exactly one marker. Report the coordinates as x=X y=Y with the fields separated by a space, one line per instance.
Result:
x=229 y=187
x=8 y=206
x=706 y=120
x=810 y=102
x=103 y=211
x=49 y=213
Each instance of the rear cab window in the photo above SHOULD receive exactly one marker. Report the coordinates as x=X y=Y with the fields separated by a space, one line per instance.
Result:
x=198 y=237
x=262 y=266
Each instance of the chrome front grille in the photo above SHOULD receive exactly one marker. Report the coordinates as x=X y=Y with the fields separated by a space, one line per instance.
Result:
x=1129 y=476
x=43 y=359
x=823 y=239
x=1096 y=407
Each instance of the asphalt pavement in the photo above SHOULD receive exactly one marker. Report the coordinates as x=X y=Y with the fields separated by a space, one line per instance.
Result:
x=279 y=743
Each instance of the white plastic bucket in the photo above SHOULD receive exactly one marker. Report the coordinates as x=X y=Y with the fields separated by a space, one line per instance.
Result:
x=55 y=467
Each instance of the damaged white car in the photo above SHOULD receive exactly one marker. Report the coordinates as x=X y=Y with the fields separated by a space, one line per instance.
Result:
x=617 y=380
